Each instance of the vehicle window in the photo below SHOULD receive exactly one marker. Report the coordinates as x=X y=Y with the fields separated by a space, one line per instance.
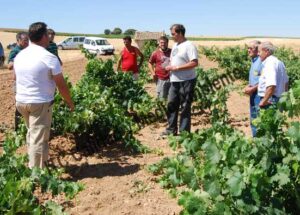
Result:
x=68 y=40
x=81 y=39
x=102 y=42
x=75 y=39
x=87 y=41
x=93 y=43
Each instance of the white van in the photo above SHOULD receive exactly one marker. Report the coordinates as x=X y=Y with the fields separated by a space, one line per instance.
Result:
x=73 y=42
x=98 y=45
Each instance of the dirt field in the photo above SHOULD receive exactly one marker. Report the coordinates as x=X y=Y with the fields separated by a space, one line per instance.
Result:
x=116 y=181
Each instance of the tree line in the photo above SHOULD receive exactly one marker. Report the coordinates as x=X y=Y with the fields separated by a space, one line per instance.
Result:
x=118 y=31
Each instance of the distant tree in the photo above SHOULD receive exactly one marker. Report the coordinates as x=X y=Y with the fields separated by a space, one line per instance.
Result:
x=117 y=31
x=107 y=32
x=130 y=31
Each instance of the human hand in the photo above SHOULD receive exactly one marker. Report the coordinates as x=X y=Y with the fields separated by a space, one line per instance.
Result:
x=264 y=103
x=71 y=106
x=171 y=68
x=248 y=90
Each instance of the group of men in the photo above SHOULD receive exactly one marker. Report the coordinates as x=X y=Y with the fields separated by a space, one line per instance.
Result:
x=38 y=72
x=267 y=79
x=174 y=73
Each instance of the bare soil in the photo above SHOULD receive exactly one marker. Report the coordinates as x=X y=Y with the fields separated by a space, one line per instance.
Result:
x=116 y=180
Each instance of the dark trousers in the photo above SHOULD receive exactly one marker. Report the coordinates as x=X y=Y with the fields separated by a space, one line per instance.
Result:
x=254 y=108
x=180 y=93
x=17 y=119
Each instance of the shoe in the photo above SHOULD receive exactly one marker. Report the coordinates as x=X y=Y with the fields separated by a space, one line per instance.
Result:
x=167 y=133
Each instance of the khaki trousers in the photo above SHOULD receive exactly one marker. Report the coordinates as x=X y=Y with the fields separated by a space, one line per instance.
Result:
x=38 y=119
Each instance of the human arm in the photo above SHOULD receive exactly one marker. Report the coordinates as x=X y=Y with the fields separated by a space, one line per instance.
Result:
x=269 y=92
x=63 y=90
x=10 y=65
x=11 y=58
x=152 y=71
x=249 y=90
x=190 y=65
x=119 y=63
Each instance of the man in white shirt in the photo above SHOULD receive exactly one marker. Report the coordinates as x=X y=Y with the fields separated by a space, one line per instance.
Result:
x=38 y=72
x=273 y=80
x=184 y=59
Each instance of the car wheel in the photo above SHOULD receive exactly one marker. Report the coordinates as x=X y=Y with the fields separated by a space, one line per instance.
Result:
x=60 y=47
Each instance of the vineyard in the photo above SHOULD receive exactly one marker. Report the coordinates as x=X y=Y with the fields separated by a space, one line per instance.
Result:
x=214 y=170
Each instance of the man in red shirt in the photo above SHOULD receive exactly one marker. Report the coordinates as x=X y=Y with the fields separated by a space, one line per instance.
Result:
x=129 y=57
x=159 y=59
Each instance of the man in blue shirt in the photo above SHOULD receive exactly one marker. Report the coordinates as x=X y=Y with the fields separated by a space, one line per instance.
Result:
x=251 y=89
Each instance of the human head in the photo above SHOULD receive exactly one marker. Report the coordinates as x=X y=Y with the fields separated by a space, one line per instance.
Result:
x=177 y=32
x=253 y=48
x=51 y=34
x=22 y=39
x=127 y=41
x=266 y=49
x=163 y=43
x=38 y=34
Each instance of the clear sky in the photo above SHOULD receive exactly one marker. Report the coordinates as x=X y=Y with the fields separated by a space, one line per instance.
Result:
x=200 y=17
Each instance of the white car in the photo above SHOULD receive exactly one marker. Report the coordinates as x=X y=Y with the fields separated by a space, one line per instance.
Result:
x=73 y=42
x=98 y=45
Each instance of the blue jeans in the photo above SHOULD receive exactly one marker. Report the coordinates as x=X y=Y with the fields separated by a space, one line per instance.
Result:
x=180 y=93
x=254 y=108
x=274 y=100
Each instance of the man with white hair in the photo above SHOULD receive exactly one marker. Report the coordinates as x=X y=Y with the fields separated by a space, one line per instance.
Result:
x=273 y=80
x=251 y=88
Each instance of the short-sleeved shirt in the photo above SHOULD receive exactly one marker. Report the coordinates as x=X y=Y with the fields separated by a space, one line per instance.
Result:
x=255 y=71
x=14 y=53
x=161 y=59
x=273 y=74
x=34 y=69
x=181 y=54
x=52 y=48
x=129 y=60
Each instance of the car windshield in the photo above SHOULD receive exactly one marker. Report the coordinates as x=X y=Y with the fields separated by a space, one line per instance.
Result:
x=102 y=42
x=67 y=40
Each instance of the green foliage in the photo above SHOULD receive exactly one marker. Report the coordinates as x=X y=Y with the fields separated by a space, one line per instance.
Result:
x=292 y=63
x=117 y=30
x=226 y=173
x=130 y=31
x=148 y=48
x=235 y=61
x=107 y=32
x=18 y=182
x=109 y=107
